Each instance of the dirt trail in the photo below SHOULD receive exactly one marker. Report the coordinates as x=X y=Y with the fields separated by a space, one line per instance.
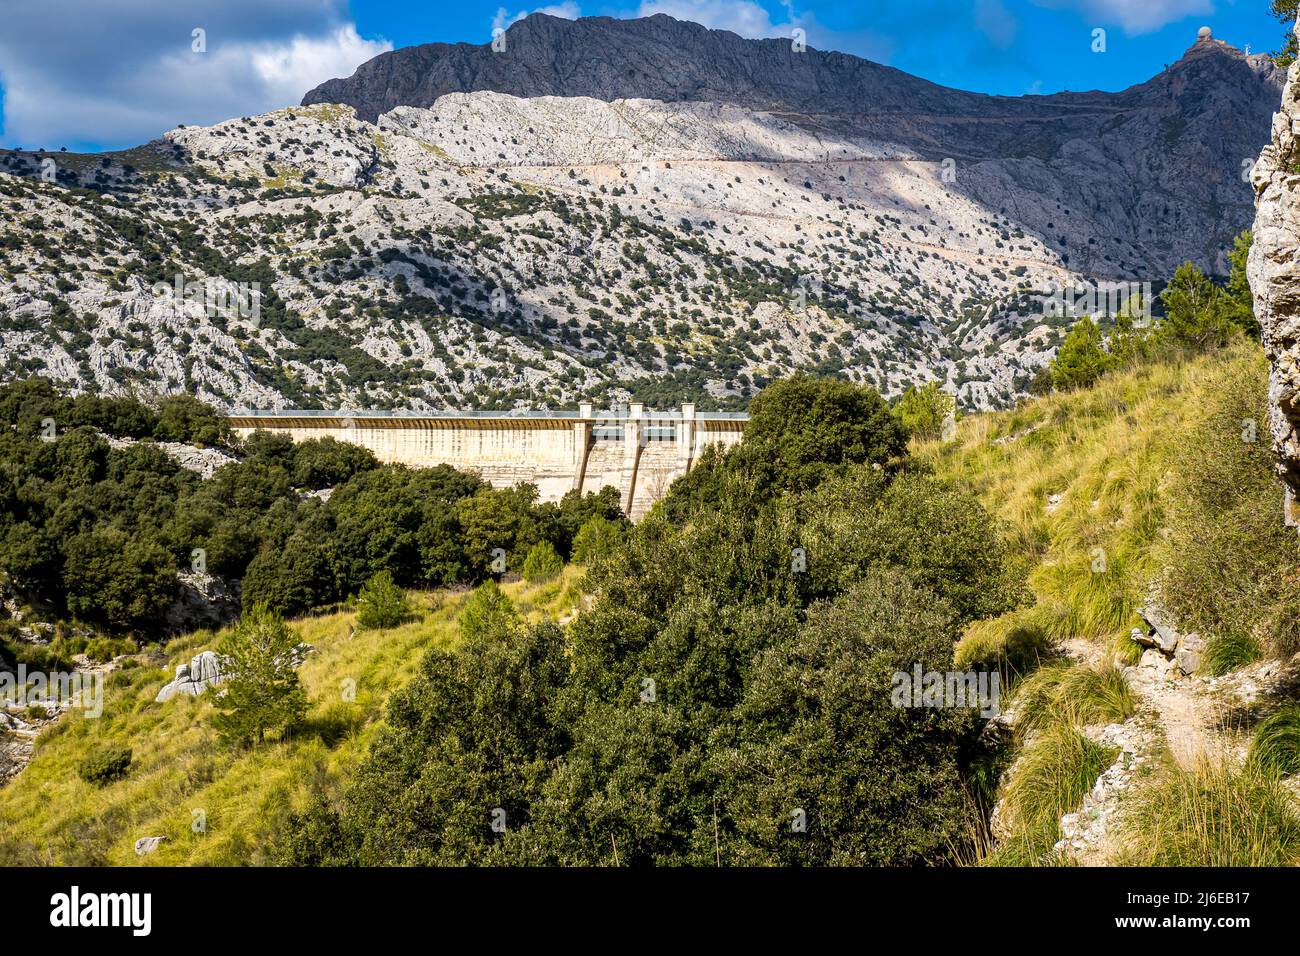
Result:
x=1188 y=715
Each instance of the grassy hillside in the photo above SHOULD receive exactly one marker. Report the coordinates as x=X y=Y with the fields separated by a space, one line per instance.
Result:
x=1157 y=477
x=1089 y=484
x=49 y=815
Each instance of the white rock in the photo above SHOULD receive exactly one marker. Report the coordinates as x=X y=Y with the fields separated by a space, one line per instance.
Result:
x=146 y=845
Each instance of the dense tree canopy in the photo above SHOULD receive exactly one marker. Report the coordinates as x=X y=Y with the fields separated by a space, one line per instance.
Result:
x=99 y=533
x=726 y=698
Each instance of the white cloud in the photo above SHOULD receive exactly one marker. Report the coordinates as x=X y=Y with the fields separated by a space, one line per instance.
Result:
x=565 y=11
x=127 y=77
x=743 y=17
x=1134 y=16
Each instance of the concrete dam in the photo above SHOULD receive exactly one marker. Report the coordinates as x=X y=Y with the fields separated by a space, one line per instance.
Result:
x=636 y=450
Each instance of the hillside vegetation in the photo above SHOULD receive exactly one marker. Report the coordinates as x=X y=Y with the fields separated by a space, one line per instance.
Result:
x=1153 y=484
x=716 y=689
x=49 y=815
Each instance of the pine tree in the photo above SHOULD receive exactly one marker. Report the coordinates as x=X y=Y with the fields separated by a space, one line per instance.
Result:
x=1081 y=359
x=382 y=603
x=260 y=689
x=1240 y=300
x=1196 y=312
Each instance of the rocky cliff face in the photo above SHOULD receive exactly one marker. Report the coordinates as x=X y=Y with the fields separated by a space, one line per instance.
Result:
x=1152 y=173
x=1274 y=272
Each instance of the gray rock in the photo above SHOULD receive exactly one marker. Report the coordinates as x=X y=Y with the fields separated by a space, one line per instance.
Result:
x=192 y=679
x=1274 y=272
x=1188 y=660
x=1163 y=634
x=146 y=845
x=1153 y=659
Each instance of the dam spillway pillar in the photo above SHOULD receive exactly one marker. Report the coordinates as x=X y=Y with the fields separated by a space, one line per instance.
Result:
x=632 y=442
x=581 y=444
x=686 y=438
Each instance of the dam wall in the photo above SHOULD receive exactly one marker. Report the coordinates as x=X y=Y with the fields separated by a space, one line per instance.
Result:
x=636 y=450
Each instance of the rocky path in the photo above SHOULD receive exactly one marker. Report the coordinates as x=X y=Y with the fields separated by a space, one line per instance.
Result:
x=1187 y=715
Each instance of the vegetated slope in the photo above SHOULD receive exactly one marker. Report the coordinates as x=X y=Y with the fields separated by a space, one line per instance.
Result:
x=489 y=250
x=1154 y=484
x=49 y=815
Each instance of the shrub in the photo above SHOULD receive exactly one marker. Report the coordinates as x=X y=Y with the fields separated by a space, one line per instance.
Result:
x=382 y=603
x=542 y=564
x=105 y=764
x=924 y=411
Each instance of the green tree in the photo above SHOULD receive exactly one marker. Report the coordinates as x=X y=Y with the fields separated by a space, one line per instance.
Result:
x=803 y=428
x=121 y=581
x=326 y=462
x=1240 y=301
x=925 y=410
x=543 y=563
x=597 y=538
x=488 y=611
x=1285 y=12
x=1081 y=359
x=381 y=603
x=1130 y=339
x=260 y=691
x=1197 y=313
x=820 y=734
x=184 y=418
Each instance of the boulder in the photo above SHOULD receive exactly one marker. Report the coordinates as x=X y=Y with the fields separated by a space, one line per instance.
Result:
x=1188 y=654
x=1153 y=659
x=1163 y=634
x=203 y=671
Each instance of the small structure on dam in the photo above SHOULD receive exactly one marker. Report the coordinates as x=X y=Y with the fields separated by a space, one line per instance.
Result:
x=637 y=450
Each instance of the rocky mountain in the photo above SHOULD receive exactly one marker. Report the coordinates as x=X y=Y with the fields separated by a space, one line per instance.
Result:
x=1147 y=177
x=643 y=208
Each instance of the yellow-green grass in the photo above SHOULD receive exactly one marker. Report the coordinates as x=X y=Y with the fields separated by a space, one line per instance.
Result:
x=1212 y=814
x=1058 y=765
x=1108 y=452
x=48 y=815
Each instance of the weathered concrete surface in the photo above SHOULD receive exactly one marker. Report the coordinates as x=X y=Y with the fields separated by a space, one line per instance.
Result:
x=636 y=450
x=1274 y=273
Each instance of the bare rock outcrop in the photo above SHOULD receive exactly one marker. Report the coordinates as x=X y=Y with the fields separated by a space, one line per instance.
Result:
x=1274 y=273
x=192 y=679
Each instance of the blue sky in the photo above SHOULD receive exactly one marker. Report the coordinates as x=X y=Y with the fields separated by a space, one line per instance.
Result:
x=91 y=74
